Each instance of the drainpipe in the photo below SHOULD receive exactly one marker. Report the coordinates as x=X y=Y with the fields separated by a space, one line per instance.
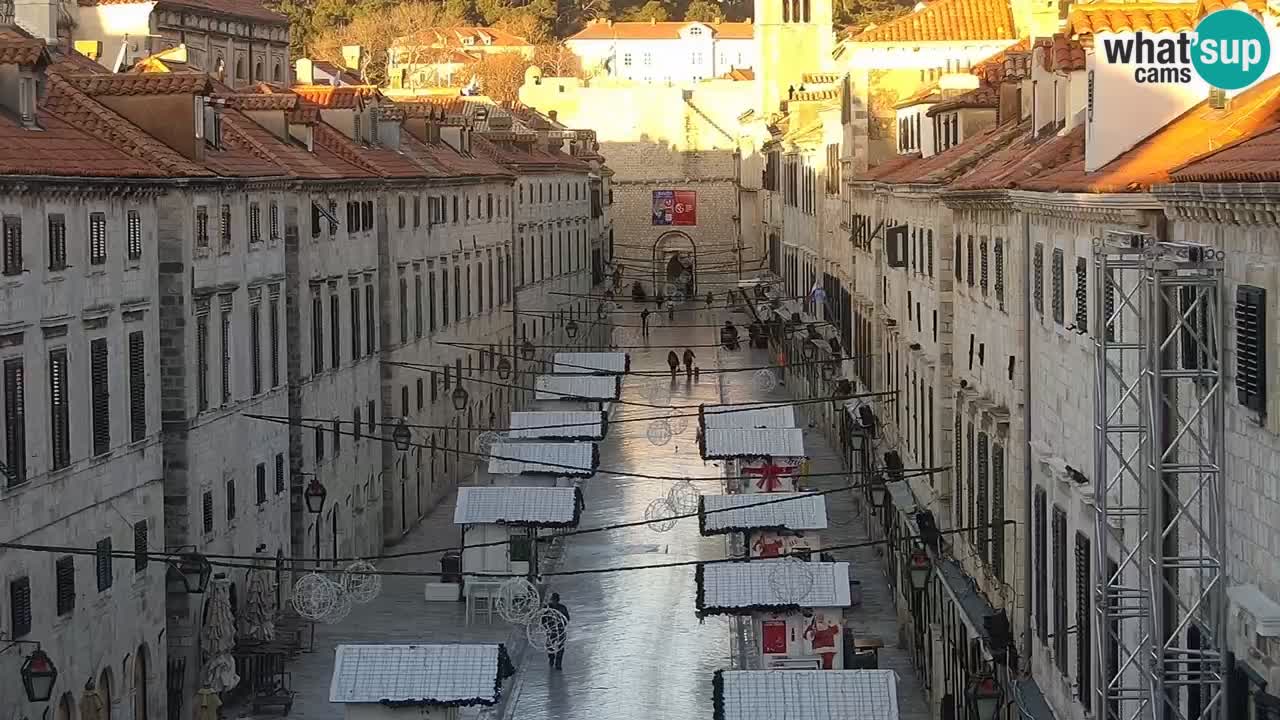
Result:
x=1028 y=482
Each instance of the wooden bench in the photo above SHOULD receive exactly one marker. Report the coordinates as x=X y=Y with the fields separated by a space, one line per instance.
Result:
x=279 y=696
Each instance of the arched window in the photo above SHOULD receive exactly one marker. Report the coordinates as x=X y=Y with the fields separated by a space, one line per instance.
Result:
x=104 y=688
x=140 y=689
x=786 y=10
x=275 y=73
x=240 y=69
x=66 y=707
x=257 y=71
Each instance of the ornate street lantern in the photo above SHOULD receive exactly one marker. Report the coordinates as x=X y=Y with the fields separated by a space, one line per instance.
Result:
x=38 y=676
x=400 y=436
x=608 y=295
x=460 y=397
x=921 y=567
x=493 y=419
x=571 y=329
x=194 y=571
x=314 y=496
x=828 y=371
x=504 y=369
x=527 y=350
x=984 y=698
x=809 y=351
x=878 y=491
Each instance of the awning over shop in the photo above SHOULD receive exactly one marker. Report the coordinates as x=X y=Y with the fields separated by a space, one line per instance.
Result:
x=426 y=675
x=517 y=505
x=741 y=417
x=566 y=425
x=613 y=363
x=805 y=695
x=720 y=514
x=732 y=443
x=577 y=387
x=740 y=588
x=578 y=459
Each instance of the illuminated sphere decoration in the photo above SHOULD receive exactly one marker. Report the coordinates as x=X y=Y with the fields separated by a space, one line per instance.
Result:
x=764 y=380
x=518 y=601
x=660 y=515
x=361 y=581
x=659 y=432
x=314 y=596
x=485 y=441
x=546 y=630
x=678 y=422
x=341 y=608
x=684 y=497
x=791 y=580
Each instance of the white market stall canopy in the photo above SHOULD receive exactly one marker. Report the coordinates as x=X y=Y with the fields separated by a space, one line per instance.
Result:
x=578 y=459
x=611 y=363
x=566 y=425
x=445 y=674
x=577 y=387
x=772 y=442
x=805 y=694
x=516 y=505
x=745 y=417
x=738 y=588
x=720 y=514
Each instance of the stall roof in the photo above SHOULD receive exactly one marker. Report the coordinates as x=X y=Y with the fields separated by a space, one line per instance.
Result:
x=569 y=424
x=614 y=363
x=734 y=588
x=446 y=674
x=517 y=505
x=719 y=444
x=726 y=417
x=720 y=514
x=577 y=387
x=578 y=459
x=805 y=694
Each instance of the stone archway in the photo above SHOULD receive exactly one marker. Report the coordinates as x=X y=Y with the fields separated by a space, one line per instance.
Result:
x=674 y=253
x=141 y=663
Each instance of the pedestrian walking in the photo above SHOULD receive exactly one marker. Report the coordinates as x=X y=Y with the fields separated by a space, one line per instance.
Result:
x=556 y=657
x=688 y=364
x=644 y=321
x=671 y=311
x=673 y=362
x=697 y=374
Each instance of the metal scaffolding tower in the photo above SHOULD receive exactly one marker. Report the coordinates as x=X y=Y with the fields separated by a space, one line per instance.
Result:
x=1159 y=551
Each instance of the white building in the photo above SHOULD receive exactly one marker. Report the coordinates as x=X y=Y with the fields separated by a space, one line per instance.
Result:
x=665 y=52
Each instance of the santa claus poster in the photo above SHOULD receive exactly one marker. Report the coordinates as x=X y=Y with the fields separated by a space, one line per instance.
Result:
x=770 y=475
x=774 y=544
x=805 y=635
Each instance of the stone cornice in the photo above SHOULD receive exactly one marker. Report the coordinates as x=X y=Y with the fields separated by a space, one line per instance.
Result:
x=978 y=199
x=54 y=185
x=1234 y=203
x=1121 y=208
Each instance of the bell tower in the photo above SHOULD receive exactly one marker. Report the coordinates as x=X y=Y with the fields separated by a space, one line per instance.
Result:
x=792 y=37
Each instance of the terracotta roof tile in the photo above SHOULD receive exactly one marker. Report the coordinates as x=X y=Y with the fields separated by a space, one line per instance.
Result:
x=240 y=153
x=320 y=164
x=820 y=78
x=1118 y=17
x=739 y=75
x=61 y=148
x=18 y=48
x=73 y=106
x=983 y=96
x=1256 y=159
x=70 y=62
x=380 y=161
x=1009 y=64
x=530 y=156
x=142 y=84
x=1197 y=132
x=1023 y=159
x=329 y=97
x=452 y=103
x=250 y=9
x=954 y=20
x=927 y=94
x=888 y=167
x=946 y=166
x=478 y=164
x=1204 y=7
x=251 y=101
x=609 y=30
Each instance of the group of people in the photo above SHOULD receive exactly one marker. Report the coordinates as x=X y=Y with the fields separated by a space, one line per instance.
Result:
x=673 y=361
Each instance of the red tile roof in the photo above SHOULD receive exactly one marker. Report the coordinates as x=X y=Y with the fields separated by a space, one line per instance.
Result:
x=321 y=164
x=983 y=96
x=251 y=101
x=1204 y=7
x=1116 y=17
x=70 y=62
x=240 y=152
x=142 y=84
x=248 y=9
x=381 y=161
x=19 y=48
x=927 y=94
x=531 y=157
x=1256 y=159
x=610 y=30
x=1062 y=54
x=330 y=97
x=1024 y=158
x=1197 y=132
x=947 y=20
x=61 y=148
x=946 y=166
x=463 y=37
x=740 y=75
x=454 y=164
x=1008 y=64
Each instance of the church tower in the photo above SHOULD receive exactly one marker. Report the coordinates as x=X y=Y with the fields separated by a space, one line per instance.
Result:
x=792 y=37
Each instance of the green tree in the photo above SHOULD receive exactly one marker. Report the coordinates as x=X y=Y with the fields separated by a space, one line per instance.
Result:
x=703 y=11
x=653 y=10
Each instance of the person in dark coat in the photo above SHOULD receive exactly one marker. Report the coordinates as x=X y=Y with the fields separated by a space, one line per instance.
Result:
x=644 y=321
x=673 y=362
x=556 y=658
x=688 y=364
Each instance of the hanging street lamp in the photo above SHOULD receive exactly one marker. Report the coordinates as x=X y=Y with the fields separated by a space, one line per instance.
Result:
x=400 y=436
x=809 y=351
x=921 y=567
x=878 y=491
x=460 y=397
x=194 y=571
x=571 y=329
x=39 y=675
x=527 y=350
x=314 y=496
x=984 y=698
x=608 y=295
x=828 y=371
x=504 y=369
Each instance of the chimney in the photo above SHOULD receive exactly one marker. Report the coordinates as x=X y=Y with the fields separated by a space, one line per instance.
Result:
x=653 y=21
x=304 y=71
x=38 y=17
x=352 y=57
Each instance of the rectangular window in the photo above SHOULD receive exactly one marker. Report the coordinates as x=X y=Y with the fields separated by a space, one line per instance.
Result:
x=20 y=607
x=981 y=518
x=1082 y=295
x=984 y=274
x=400 y=211
x=998 y=258
x=1037 y=278
x=1084 y=645
x=279 y=473
x=225 y=339
x=260 y=484
x=335 y=332
x=997 y=510
x=319 y=442
x=202 y=226
x=356 y=426
x=1060 y=629
x=255 y=346
x=59 y=410
x=99 y=397
x=404 y=310
x=97 y=238
x=224 y=228
x=417 y=304
x=354 y=293
x=370 y=327
x=103 y=564
x=969 y=260
x=431 y=300
x=333 y=218
x=206 y=511
x=202 y=357
x=65 y=584
x=255 y=223
x=417 y=210
x=955 y=260
x=273 y=220
x=457 y=294
x=15 y=421
x=231 y=499
x=57 y=242
x=317 y=331
x=273 y=323
x=133 y=244
x=371 y=409
x=1251 y=348
x=1040 y=571
x=337 y=437
x=422 y=399
x=1059 y=302
x=140 y=546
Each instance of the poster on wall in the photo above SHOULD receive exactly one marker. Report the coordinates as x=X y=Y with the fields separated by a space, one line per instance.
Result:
x=675 y=207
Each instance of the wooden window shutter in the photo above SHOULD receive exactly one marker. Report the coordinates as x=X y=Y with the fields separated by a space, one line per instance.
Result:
x=140 y=546
x=1251 y=349
x=137 y=386
x=103 y=564
x=20 y=607
x=101 y=396
x=65 y=583
x=1084 y=645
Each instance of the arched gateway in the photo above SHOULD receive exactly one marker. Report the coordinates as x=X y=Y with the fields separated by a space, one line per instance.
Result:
x=675 y=261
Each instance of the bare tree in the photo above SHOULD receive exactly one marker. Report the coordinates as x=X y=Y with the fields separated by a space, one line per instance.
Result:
x=557 y=61
x=501 y=75
x=377 y=32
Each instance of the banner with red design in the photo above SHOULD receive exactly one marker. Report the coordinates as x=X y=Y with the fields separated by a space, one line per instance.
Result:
x=770 y=476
